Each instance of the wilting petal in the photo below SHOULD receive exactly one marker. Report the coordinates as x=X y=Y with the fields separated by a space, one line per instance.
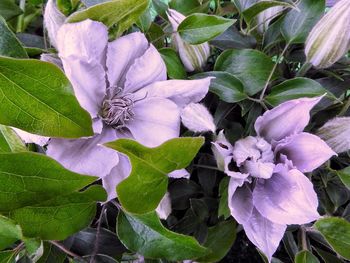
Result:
x=82 y=47
x=305 y=150
x=164 y=208
x=53 y=20
x=197 y=118
x=121 y=54
x=156 y=121
x=244 y=149
x=145 y=70
x=287 y=197
x=240 y=201
x=259 y=169
x=117 y=174
x=86 y=155
x=263 y=233
x=221 y=149
x=31 y=138
x=182 y=92
x=286 y=119
x=182 y=173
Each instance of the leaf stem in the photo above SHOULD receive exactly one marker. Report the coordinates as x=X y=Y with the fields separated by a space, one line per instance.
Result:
x=20 y=19
x=304 y=69
x=98 y=232
x=303 y=238
x=65 y=250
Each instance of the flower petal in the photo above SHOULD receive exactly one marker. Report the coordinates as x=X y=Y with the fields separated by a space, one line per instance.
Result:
x=197 y=118
x=182 y=92
x=305 y=150
x=221 y=149
x=244 y=149
x=164 y=208
x=259 y=169
x=240 y=201
x=53 y=20
x=145 y=70
x=182 y=173
x=287 y=197
x=121 y=54
x=263 y=233
x=86 y=155
x=237 y=175
x=156 y=121
x=31 y=138
x=286 y=119
x=82 y=47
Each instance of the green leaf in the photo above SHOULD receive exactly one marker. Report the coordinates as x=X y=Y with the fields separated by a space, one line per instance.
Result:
x=8 y=256
x=225 y=85
x=220 y=239
x=298 y=22
x=337 y=233
x=156 y=35
x=9 y=44
x=38 y=98
x=52 y=254
x=294 y=89
x=344 y=176
x=200 y=28
x=9 y=141
x=10 y=232
x=8 y=9
x=59 y=217
x=175 y=68
x=188 y=7
x=23 y=176
x=224 y=210
x=150 y=167
x=122 y=13
x=328 y=257
x=305 y=256
x=146 y=235
x=244 y=64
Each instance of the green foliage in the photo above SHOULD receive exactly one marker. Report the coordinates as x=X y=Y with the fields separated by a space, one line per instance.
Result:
x=9 y=44
x=305 y=256
x=344 y=176
x=8 y=9
x=175 y=68
x=9 y=141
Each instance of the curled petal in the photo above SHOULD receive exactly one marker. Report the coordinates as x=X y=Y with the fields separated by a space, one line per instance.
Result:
x=240 y=201
x=263 y=233
x=287 y=197
x=259 y=169
x=305 y=150
x=175 y=18
x=233 y=174
x=197 y=118
x=221 y=149
x=286 y=119
x=244 y=149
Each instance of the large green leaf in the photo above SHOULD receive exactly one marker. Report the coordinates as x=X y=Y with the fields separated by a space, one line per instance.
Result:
x=188 y=7
x=146 y=235
x=294 y=89
x=9 y=141
x=30 y=178
x=225 y=85
x=344 y=176
x=9 y=44
x=10 y=232
x=337 y=233
x=200 y=28
x=298 y=22
x=8 y=256
x=122 y=13
x=252 y=67
x=38 y=98
x=8 y=9
x=305 y=256
x=175 y=68
x=148 y=179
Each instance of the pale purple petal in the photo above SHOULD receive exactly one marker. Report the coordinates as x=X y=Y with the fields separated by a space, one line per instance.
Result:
x=86 y=155
x=182 y=173
x=221 y=149
x=156 y=121
x=286 y=119
x=145 y=70
x=244 y=149
x=121 y=54
x=237 y=175
x=53 y=20
x=263 y=233
x=52 y=58
x=196 y=117
x=305 y=150
x=182 y=92
x=175 y=18
x=240 y=201
x=164 y=208
x=287 y=197
x=119 y=172
x=31 y=138
x=81 y=48
x=259 y=169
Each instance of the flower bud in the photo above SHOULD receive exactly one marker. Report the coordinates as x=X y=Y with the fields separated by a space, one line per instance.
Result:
x=336 y=134
x=197 y=118
x=329 y=40
x=53 y=20
x=222 y=149
x=265 y=17
x=194 y=57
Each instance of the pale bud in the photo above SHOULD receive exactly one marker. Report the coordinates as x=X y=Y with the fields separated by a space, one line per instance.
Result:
x=222 y=149
x=197 y=118
x=53 y=20
x=336 y=133
x=264 y=18
x=329 y=40
x=194 y=57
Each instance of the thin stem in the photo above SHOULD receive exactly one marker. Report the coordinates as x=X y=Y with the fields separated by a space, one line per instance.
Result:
x=20 y=20
x=98 y=232
x=303 y=238
x=345 y=107
x=67 y=251
x=261 y=102
x=207 y=167
x=304 y=69
x=273 y=72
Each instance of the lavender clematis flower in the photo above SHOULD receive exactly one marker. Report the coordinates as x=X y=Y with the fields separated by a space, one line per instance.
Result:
x=122 y=84
x=268 y=190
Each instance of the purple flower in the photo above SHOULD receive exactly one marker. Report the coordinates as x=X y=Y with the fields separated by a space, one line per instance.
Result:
x=268 y=190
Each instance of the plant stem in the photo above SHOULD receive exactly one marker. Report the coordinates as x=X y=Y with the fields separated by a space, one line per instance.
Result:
x=65 y=250
x=304 y=69
x=20 y=19
x=303 y=238
x=98 y=232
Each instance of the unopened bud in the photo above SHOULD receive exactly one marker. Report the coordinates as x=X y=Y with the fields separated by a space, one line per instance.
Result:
x=197 y=118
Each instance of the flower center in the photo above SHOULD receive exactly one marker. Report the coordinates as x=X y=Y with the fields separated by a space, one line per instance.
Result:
x=116 y=112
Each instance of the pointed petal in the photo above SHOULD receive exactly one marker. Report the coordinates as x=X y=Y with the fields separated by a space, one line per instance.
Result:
x=182 y=92
x=117 y=174
x=121 y=54
x=182 y=173
x=305 y=150
x=145 y=70
x=53 y=20
x=286 y=119
x=86 y=155
x=164 y=208
x=240 y=201
x=156 y=121
x=31 y=138
x=197 y=118
x=263 y=233
x=287 y=197
x=82 y=47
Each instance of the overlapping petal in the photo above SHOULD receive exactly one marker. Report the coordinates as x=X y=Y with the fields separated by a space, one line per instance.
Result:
x=240 y=201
